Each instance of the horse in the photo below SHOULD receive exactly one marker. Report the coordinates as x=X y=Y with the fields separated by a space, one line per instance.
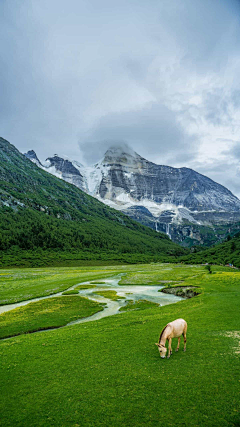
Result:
x=172 y=330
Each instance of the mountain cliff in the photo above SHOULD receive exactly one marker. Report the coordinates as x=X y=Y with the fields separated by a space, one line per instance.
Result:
x=177 y=201
x=127 y=178
x=66 y=169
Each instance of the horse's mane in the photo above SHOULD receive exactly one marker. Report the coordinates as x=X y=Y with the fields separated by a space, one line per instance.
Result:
x=162 y=334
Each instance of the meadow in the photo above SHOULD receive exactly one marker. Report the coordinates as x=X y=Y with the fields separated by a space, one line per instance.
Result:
x=108 y=372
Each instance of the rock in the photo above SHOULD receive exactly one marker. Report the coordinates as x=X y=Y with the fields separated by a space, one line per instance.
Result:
x=182 y=291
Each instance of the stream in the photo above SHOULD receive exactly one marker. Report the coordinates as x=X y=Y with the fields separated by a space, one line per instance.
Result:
x=127 y=292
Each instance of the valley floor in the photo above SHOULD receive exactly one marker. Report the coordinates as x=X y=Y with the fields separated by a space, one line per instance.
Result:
x=108 y=372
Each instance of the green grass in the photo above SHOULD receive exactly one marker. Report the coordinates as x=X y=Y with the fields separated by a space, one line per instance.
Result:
x=137 y=305
x=82 y=287
x=99 y=283
x=109 y=373
x=45 y=314
x=72 y=292
x=159 y=273
x=109 y=294
x=23 y=284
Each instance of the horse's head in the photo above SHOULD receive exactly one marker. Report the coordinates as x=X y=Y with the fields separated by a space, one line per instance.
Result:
x=162 y=350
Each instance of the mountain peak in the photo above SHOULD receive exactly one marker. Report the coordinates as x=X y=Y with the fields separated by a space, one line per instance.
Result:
x=119 y=152
x=31 y=155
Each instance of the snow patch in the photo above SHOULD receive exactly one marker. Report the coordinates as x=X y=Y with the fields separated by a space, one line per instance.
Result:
x=93 y=176
x=124 y=201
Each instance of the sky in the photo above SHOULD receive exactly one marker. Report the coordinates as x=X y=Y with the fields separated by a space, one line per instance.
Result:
x=79 y=76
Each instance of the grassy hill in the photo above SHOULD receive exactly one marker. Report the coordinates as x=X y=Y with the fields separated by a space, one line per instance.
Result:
x=46 y=221
x=224 y=253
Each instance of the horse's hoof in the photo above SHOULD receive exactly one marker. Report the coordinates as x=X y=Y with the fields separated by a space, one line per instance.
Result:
x=176 y=349
x=168 y=357
x=184 y=350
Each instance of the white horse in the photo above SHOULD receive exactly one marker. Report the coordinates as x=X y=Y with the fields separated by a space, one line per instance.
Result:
x=173 y=329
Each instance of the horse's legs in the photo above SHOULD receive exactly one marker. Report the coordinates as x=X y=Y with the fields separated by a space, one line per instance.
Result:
x=179 y=339
x=169 y=347
x=185 y=339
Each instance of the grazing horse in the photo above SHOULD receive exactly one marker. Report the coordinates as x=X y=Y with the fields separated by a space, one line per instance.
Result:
x=173 y=329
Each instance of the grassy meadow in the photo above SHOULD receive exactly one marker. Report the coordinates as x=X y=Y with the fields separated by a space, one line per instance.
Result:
x=23 y=284
x=108 y=372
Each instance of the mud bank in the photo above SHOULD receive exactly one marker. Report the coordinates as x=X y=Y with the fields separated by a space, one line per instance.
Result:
x=182 y=291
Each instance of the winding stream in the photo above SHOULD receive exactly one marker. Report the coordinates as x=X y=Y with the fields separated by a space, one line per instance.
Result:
x=127 y=292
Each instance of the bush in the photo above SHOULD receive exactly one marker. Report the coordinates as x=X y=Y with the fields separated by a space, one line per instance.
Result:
x=209 y=268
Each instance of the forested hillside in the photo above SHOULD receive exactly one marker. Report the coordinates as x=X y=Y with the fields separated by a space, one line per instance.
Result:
x=224 y=253
x=41 y=212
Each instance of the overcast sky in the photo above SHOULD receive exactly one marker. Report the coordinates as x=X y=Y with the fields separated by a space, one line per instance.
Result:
x=161 y=75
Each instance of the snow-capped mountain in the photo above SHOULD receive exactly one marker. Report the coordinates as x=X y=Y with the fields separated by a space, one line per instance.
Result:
x=64 y=168
x=126 y=178
x=31 y=155
x=163 y=197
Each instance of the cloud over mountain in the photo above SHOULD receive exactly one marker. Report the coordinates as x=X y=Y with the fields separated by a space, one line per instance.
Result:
x=162 y=76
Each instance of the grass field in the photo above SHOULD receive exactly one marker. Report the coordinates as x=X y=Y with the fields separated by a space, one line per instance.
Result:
x=25 y=283
x=46 y=314
x=108 y=372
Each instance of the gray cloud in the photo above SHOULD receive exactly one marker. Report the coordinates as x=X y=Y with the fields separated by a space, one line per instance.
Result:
x=161 y=76
x=153 y=132
x=235 y=152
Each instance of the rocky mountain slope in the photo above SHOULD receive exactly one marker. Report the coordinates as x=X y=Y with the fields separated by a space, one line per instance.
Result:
x=38 y=210
x=188 y=206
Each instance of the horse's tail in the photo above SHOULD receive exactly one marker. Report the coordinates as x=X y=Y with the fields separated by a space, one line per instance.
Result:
x=184 y=330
